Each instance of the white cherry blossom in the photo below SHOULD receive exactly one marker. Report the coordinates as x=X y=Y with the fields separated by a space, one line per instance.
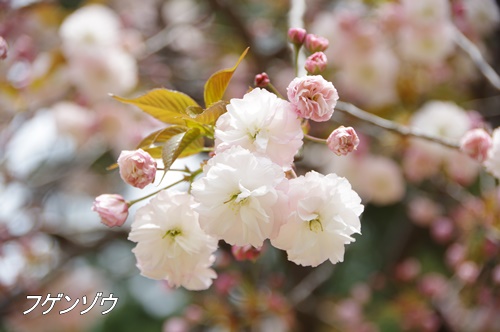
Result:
x=261 y=123
x=170 y=243
x=240 y=197
x=324 y=214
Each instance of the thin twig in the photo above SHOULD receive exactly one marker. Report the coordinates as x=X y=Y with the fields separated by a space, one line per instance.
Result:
x=392 y=126
x=466 y=45
x=312 y=281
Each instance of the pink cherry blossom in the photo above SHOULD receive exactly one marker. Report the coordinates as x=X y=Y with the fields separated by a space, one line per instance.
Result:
x=343 y=140
x=475 y=143
x=137 y=168
x=112 y=208
x=313 y=97
x=492 y=162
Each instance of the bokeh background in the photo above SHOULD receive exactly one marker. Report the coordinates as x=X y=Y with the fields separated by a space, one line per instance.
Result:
x=428 y=258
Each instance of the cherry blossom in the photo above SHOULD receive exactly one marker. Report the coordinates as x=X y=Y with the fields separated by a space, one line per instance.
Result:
x=240 y=197
x=313 y=97
x=324 y=215
x=137 y=168
x=170 y=243
x=261 y=123
x=492 y=162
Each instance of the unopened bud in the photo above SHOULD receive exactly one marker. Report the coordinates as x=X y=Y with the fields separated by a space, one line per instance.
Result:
x=475 y=143
x=316 y=63
x=316 y=43
x=297 y=36
x=112 y=208
x=343 y=140
x=4 y=48
x=261 y=80
x=244 y=253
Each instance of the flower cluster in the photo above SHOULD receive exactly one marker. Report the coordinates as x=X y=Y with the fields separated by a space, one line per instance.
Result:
x=248 y=192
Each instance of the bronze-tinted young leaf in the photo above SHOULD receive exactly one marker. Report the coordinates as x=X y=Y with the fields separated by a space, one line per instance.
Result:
x=195 y=147
x=211 y=114
x=218 y=82
x=166 y=105
x=174 y=147
x=160 y=136
x=153 y=143
x=193 y=111
x=204 y=129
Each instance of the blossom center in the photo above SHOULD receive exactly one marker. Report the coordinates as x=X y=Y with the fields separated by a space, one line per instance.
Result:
x=172 y=233
x=315 y=225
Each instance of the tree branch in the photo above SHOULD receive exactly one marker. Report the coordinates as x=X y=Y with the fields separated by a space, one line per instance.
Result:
x=391 y=126
x=473 y=52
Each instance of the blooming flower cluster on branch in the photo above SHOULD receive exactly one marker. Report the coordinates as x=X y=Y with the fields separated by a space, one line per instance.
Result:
x=247 y=191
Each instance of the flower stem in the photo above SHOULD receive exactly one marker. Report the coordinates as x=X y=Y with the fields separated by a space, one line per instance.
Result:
x=315 y=139
x=296 y=51
x=130 y=203
x=274 y=90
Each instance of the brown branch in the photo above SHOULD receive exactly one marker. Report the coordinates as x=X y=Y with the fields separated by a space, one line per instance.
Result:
x=473 y=52
x=391 y=126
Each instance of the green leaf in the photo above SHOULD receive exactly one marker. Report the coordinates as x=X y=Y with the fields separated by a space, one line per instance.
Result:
x=193 y=111
x=218 y=82
x=189 y=142
x=166 y=105
x=160 y=136
x=211 y=114
x=150 y=143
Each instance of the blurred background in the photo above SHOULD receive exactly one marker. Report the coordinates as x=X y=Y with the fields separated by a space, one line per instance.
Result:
x=428 y=258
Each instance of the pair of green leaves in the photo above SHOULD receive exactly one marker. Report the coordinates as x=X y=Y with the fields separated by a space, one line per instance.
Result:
x=188 y=122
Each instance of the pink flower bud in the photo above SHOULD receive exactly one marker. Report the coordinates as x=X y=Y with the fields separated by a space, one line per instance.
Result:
x=316 y=43
x=297 y=36
x=112 y=208
x=261 y=80
x=244 y=253
x=475 y=143
x=343 y=140
x=316 y=63
x=137 y=168
x=4 y=48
